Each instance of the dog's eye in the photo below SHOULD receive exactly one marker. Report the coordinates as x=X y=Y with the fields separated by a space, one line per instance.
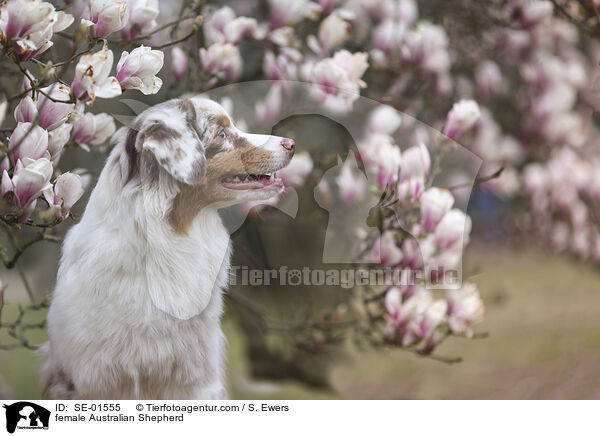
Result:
x=221 y=134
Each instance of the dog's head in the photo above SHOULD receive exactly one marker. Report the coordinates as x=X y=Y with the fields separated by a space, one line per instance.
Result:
x=194 y=142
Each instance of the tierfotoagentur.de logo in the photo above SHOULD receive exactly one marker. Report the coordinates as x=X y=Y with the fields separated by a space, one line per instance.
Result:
x=25 y=415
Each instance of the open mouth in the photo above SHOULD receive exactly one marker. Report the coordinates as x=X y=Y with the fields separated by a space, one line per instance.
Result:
x=251 y=181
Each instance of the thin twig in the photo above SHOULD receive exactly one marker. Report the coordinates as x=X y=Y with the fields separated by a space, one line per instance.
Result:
x=163 y=27
x=479 y=180
x=41 y=236
x=25 y=282
x=185 y=38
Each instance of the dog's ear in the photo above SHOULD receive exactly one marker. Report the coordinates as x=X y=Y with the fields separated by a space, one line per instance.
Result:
x=175 y=144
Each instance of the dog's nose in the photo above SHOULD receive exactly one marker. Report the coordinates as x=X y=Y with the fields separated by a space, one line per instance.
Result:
x=288 y=144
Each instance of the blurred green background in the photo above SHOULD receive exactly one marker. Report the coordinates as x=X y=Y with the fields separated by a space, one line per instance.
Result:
x=544 y=342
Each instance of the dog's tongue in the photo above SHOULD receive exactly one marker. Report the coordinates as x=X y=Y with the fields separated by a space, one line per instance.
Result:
x=254 y=182
x=244 y=185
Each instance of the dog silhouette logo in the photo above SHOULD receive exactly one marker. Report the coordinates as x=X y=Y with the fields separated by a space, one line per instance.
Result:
x=26 y=415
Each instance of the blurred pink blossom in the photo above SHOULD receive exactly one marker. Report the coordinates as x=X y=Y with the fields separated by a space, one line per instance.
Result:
x=223 y=26
x=461 y=118
x=385 y=251
x=178 y=64
x=222 y=60
x=297 y=171
x=453 y=228
x=105 y=17
x=464 y=307
x=435 y=203
x=142 y=16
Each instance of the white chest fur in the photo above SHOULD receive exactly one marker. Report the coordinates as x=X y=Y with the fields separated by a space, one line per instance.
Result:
x=136 y=310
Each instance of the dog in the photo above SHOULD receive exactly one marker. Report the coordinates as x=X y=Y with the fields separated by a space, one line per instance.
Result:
x=136 y=310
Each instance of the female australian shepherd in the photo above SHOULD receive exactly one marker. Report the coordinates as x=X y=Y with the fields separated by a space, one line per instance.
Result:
x=137 y=305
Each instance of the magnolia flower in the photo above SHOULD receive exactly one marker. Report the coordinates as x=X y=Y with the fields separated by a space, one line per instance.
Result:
x=385 y=252
x=297 y=171
x=51 y=113
x=26 y=110
x=21 y=18
x=142 y=18
x=488 y=79
x=435 y=203
x=92 y=77
x=26 y=85
x=61 y=197
x=84 y=176
x=271 y=66
x=222 y=60
x=464 y=307
x=388 y=35
x=442 y=262
x=3 y=107
x=34 y=44
x=290 y=11
x=427 y=48
x=423 y=326
x=404 y=11
x=403 y=310
x=178 y=64
x=31 y=25
x=384 y=119
x=136 y=70
x=268 y=110
x=57 y=139
x=452 y=229
x=223 y=26
x=461 y=118
x=27 y=141
x=532 y=13
x=411 y=189
x=383 y=157
x=30 y=178
x=280 y=67
x=393 y=304
x=105 y=17
x=536 y=182
x=351 y=184
x=416 y=163
x=326 y=5
x=411 y=254
x=333 y=32
x=338 y=79
x=93 y=129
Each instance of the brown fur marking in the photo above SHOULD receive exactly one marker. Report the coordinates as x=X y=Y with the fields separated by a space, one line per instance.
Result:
x=162 y=133
x=149 y=166
x=192 y=199
x=132 y=154
x=223 y=121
